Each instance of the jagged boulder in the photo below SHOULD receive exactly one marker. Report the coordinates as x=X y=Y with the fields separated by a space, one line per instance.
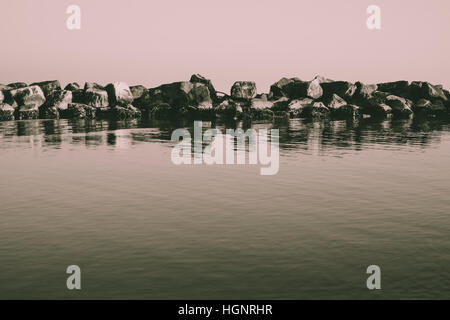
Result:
x=80 y=111
x=281 y=105
x=319 y=110
x=32 y=96
x=425 y=90
x=400 y=106
x=398 y=88
x=125 y=112
x=200 y=96
x=49 y=112
x=243 y=90
x=96 y=97
x=425 y=107
x=6 y=112
x=343 y=89
x=48 y=86
x=348 y=111
x=93 y=85
x=137 y=91
x=17 y=85
x=25 y=112
x=295 y=88
x=334 y=102
x=72 y=86
x=119 y=94
x=59 y=99
x=298 y=106
x=197 y=78
x=364 y=92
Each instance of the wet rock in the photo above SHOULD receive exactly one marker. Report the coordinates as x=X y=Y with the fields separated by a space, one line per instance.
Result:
x=343 y=89
x=48 y=112
x=125 y=112
x=17 y=85
x=280 y=88
x=197 y=78
x=80 y=111
x=378 y=110
x=28 y=96
x=93 y=85
x=400 y=106
x=228 y=109
x=281 y=105
x=162 y=111
x=260 y=104
x=364 y=91
x=6 y=112
x=425 y=90
x=96 y=98
x=137 y=91
x=78 y=96
x=334 y=102
x=25 y=112
x=298 y=106
x=48 y=86
x=348 y=111
x=295 y=88
x=72 y=86
x=319 y=110
x=398 y=88
x=119 y=94
x=425 y=107
x=243 y=90
x=59 y=99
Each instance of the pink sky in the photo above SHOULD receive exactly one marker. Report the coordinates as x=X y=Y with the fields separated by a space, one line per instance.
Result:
x=160 y=41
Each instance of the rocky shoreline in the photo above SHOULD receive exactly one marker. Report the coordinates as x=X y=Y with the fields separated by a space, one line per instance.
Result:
x=198 y=99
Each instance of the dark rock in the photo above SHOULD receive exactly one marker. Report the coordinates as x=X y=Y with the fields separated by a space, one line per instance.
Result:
x=398 y=88
x=93 y=85
x=137 y=91
x=25 y=112
x=343 y=89
x=334 y=102
x=200 y=96
x=228 y=109
x=295 y=88
x=363 y=91
x=425 y=107
x=6 y=112
x=72 y=86
x=197 y=78
x=319 y=110
x=119 y=94
x=78 y=96
x=28 y=96
x=281 y=105
x=48 y=86
x=297 y=107
x=80 y=111
x=96 y=98
x=59 y=99
x=400 y=106
x=243 y=90
x=427 y=91
x=348 y=111
x=17 y=85
x=162 y=111
x=125 y=112
x=48 y=112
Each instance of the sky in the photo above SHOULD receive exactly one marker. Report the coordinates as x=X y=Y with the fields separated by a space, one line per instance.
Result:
x=152 y=42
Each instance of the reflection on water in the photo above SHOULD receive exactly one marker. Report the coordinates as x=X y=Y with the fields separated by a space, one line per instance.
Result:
x=106 y=196
x=294 y=134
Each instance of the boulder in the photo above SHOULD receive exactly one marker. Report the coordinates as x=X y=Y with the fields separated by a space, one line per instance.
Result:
x=400 y=106
x=243 y=90
x=197 y=78
x=200 y=96
x=80 y=111
x=427 y=91
x=319 y=110
x=28 y=96
x=137 y=91
x=321 y=79
x=93 y=85
x=281 y=105
x=334 y=102
x=398 y=88
x=228 y=109
x=119 y=94
x=6 y=112
x=425 y=107
x=279 y=88
x=364 y=91
x=72 y=86
x=30 y=111
x=48 y=86
x=125 y=112
x=59 y=99
x=298 y=106
x=261 y=104
x=295 y=88
x=343 y=89
x=162 y=111
x=78 y=96
x=17 y=85
x=348 y=111
x=378 y=110
x=96 y=98
x=48 y=112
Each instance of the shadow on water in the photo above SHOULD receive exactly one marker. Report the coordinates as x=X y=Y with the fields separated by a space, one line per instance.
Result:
x=294 y=134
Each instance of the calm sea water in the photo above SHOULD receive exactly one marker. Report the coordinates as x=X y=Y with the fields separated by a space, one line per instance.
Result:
x=106 y=196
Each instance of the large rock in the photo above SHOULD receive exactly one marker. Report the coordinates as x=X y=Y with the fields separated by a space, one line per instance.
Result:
x=119 y=94
x=426 y=90
x=295 y=88
x=6 y=112
x=28 y=96
x=298 y=106
x=334 y=102
x=59 y=99
x=398 y=88
x=243 y=90
x=425 y=107
x=80 y=111
x=49 y=112
x=261 y=104
x=17 y=85
x=93 y=85
x=200 y=96
x=348 y=111
x=229 y=110
x=72 y=86
x=364 y=92
x=125 y=112
x=400 y=106
x=281 y=105
x=30 y=111
x=343 y=89
x=48 y=86
x=197 y=78
x=137 y=91
x=319 y=110
x=96 y=98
